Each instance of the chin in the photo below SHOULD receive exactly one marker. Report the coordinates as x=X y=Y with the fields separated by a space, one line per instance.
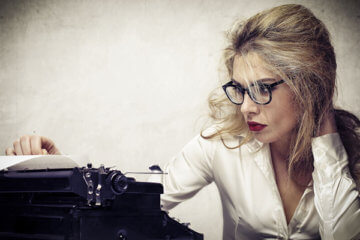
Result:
x=266 y=138
x=278 y=135
x=263 y=140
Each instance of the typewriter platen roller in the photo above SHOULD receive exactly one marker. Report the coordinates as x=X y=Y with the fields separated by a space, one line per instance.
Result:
x=84 y=204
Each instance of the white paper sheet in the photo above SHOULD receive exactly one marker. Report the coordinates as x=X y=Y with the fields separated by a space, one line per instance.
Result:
x=42 y=161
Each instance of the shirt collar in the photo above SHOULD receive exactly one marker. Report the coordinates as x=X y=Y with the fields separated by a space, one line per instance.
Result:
x=254 y=145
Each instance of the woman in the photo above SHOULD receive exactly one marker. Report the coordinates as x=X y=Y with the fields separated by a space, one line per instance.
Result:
x=275 y=150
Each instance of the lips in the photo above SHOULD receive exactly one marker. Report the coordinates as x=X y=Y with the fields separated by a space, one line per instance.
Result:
x=254 y=126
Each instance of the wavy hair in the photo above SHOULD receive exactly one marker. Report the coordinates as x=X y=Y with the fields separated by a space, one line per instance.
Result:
x=296 y=46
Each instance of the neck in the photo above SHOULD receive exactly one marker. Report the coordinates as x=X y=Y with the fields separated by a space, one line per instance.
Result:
x=280 y=150
x=279 y=157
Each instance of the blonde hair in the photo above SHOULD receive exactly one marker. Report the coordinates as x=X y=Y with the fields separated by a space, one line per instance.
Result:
x=296 y=46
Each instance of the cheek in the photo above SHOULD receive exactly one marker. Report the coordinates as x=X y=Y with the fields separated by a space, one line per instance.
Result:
x=286 y=116
x=281 y=124
x=283 y=114
x=286 y=103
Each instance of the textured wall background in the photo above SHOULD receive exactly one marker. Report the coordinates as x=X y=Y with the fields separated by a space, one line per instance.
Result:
x=126 y=81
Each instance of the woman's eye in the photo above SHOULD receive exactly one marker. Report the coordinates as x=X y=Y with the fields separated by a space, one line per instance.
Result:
x=263 y=88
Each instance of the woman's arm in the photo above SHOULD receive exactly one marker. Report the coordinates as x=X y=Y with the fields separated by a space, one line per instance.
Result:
x=336 y=197
x=187 y=173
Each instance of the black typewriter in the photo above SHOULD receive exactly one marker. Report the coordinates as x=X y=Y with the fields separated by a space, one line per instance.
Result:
x=84 y=204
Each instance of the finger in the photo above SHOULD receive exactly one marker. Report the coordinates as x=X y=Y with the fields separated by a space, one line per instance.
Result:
x=17 y=148
x=25 y=145
x=10 y=152
x=49 y=145
x=35 y=144
x=44 y=152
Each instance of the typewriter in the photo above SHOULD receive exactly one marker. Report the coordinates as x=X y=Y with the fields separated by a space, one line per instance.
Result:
x=84 y=203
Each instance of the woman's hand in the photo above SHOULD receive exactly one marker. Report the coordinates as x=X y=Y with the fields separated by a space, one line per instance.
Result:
x=328 y=124
x=32 y=145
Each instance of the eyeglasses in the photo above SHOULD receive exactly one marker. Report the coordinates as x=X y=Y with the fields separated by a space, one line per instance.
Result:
x=259 y=92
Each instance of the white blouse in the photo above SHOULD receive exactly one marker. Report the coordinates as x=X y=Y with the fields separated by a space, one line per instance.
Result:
x=252 y=207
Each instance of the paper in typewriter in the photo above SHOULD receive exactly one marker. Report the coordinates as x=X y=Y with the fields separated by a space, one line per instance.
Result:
x=28 y=162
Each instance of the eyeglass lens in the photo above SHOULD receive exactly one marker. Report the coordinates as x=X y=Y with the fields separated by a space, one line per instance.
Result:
x=259 y=94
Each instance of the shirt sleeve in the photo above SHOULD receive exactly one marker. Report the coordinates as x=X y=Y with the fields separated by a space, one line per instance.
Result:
x=186 y=173
x=336 y=199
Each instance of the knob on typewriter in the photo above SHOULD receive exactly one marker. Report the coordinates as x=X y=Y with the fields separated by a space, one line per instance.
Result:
x=119 y=183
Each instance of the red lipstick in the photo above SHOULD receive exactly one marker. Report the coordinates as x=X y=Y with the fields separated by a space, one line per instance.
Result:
x=254 y=126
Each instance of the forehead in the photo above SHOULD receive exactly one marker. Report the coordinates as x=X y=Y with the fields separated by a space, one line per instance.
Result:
x=250 y=68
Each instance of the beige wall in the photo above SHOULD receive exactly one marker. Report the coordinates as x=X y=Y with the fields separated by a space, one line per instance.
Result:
x=126 y=81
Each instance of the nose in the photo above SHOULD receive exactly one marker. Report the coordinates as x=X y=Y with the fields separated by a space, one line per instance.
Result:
x=249 y=107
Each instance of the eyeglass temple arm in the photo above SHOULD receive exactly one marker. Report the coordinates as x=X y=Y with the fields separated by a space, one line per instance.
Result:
x=276 y=83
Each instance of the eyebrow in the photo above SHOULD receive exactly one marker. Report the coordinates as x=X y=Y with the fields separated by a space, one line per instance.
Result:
x=261 y=80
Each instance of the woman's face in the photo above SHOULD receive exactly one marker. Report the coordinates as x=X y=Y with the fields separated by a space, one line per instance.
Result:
x=272 y=122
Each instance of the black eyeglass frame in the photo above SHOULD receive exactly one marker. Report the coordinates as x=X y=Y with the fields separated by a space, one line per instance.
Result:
x=232 y=83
